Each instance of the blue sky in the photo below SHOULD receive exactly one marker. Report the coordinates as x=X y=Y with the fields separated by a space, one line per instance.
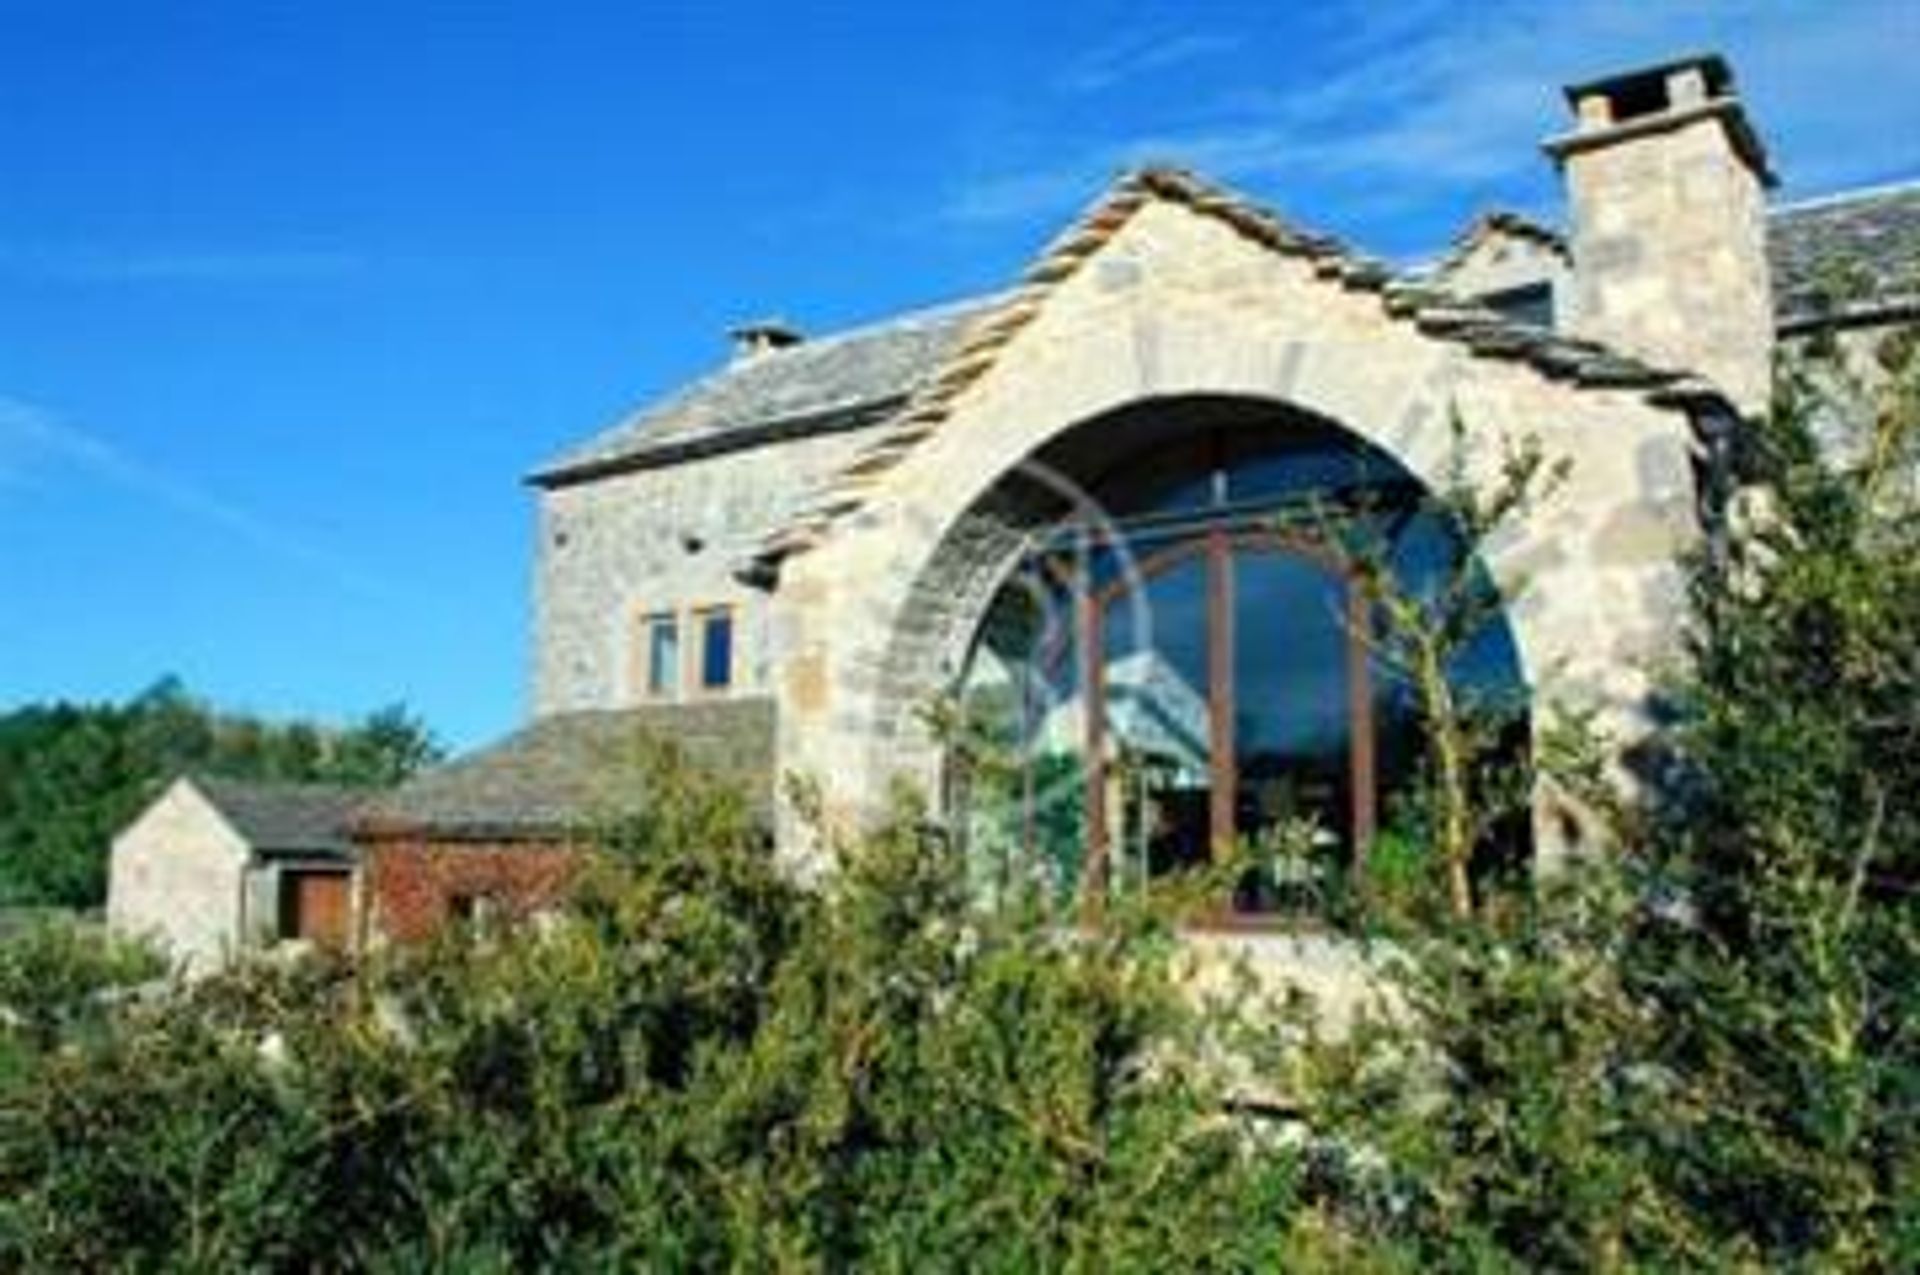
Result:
x=292 y=294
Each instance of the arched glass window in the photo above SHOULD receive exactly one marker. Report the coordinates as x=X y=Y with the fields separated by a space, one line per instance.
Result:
x=1191 y=672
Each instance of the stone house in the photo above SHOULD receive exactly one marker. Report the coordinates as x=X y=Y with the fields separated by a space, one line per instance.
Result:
x=215 y=866
x=1076 y=507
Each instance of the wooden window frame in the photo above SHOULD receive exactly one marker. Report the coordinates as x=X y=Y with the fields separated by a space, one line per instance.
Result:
x=1218 y=548
x=645 y=621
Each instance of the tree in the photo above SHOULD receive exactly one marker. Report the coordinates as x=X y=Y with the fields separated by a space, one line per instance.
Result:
x=71 y=776
x=1422 y=632
x=383 y=749
x=1701 y=1050
x=1786 y=967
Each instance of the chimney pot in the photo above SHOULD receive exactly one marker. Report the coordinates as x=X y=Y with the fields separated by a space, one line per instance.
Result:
x=761 y=337
x=1687 y=86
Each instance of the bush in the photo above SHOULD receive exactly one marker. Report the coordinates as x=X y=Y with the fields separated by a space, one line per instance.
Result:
x=1701 y=1052
x=56 y=976
x=1697 y=1053
x=698 y=1065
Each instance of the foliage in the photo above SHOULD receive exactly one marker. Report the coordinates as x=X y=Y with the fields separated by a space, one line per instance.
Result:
x=1496 y=1122
x=1422 y=633
x=699 y=1064
x=71 y=776
x=1696 y=1053
x=1786 y=971
x=57 y=980
x=1700 y=1052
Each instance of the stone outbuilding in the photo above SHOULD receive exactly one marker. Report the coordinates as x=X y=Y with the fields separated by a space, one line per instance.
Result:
x=215 y=866
x=495 y=834
x=1087 y=512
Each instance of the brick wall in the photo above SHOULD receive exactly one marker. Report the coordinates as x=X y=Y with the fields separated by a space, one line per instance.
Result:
x=412 y=881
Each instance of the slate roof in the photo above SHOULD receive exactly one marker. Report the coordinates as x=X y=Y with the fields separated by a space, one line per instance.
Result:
x=571 y=770
x=867 y=375
x=840 y=381
x=284 y=818
x=1853 y=256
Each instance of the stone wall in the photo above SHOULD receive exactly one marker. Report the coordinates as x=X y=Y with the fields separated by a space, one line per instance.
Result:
x=874 y=621
x=178 y=875
x=1853 y=366
x=409 y=883
x=667 y=538
x=1499 y=261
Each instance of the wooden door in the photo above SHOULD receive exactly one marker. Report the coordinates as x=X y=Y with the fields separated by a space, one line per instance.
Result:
x=321 y=902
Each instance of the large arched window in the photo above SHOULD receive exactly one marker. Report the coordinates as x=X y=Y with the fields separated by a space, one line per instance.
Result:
x=1184 y=668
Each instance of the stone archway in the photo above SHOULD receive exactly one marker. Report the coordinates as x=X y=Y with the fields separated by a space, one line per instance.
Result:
x=1183 y=662
x=1177 y=304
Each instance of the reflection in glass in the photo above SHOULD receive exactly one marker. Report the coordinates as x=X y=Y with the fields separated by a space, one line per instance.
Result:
x=1293 y=727
x=663 y=653
x=1233 y=697
x=1157 y=745
x=1301 y=463
x=1025 y=725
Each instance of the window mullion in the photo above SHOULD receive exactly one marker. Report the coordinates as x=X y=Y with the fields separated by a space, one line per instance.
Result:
x=1362 y=763
x=1220 y=657
x=1093 y=681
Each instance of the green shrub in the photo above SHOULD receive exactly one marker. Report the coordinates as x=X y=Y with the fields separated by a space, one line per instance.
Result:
x=56 y=975
x=1702 y=1050
x=1698 y=1052
x=698 y=1065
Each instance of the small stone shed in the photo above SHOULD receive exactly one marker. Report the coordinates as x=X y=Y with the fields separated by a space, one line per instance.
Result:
x=214 y=866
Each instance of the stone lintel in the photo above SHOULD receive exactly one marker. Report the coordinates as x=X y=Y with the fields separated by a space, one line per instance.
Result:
x=1728 y=110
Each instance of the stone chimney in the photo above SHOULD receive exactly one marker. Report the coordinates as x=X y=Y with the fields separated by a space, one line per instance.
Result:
x=1666 y=192
x=762 y=336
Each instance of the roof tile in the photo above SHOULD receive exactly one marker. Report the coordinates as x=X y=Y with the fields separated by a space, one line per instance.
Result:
x=285 y=818
x=572 y=770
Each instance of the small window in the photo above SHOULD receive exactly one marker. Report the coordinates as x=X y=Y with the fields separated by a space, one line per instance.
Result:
x=1531 y=304
x=660 y=654
x=716 y=649
x=478 y=912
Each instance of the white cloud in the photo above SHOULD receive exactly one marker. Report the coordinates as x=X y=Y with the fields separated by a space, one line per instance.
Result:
x=34 y=440
x=30 y=436
x=1140 y=53
x=1429 y=103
